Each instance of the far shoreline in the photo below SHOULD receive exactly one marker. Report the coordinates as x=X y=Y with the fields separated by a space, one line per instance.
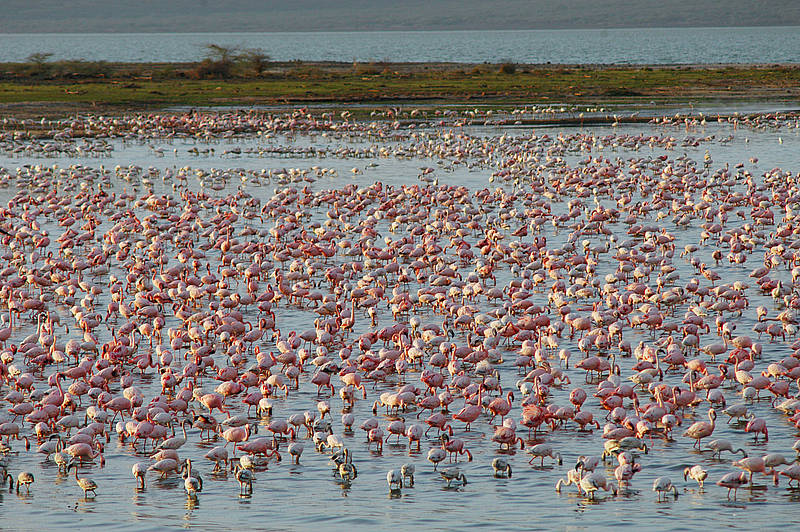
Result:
x=63 y=88
x=427 y=29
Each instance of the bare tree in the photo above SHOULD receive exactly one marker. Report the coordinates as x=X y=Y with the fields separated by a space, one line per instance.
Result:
x=38 y=63
x=254 y=60
x=221 y=54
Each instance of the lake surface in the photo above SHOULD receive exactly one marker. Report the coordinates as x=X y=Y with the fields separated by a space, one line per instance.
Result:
x=606 y=46
x=300 y=497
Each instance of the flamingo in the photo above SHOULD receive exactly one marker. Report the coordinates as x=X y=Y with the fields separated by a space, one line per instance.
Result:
x=754 y=464
x=191 y=484
x=24 y=478
x=697 y=473
x=86 y=484
x=245 y=478
x=453 y=473
x=719 y=445
x=701 y=429
x=238 y=435
x=468 y=414
x=733 y=481
x=139 y=470
x=165 y=466
x=573 y=477
x=596 y=481
x=758 y=426
x=436 y=455
x=83 y=451
x=217 y=455
x=348 y=472
x=295 y=449
x=625 y=471
x=663 y=485
x=407 y=471
x=455 y=446
x=507 y=436
x=176 y=442
x=395 y=479
x=792 y=473
x=501 y=467
x=543 y=450
x=500 y=407
x=414 y=433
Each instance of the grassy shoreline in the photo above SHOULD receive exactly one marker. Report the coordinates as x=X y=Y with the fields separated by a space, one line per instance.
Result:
x=43 y=90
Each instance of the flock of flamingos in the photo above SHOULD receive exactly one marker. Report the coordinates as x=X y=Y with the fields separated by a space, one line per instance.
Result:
x=213 y=328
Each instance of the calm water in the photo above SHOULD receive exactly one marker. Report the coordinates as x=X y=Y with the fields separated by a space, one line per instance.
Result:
x=292 y=497
x=607 y=46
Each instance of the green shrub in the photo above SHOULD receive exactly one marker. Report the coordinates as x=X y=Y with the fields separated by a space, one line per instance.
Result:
x=508 y=68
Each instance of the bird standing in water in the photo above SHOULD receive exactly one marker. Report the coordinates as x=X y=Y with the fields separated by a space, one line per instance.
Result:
x=191 y=484
x=86 y=484
x=501 y=467
x=453 y=473
x=395 y=480
x=697 y=473
x=663 y=485
x=26 y=479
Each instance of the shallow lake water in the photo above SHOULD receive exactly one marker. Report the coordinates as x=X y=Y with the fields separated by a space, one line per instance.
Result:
x=287 y=496
x=604 y=46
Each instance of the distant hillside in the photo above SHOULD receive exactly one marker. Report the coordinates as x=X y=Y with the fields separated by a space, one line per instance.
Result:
x=186 y=16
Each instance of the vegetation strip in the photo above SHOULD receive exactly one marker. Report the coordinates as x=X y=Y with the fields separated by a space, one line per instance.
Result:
x=252 y=79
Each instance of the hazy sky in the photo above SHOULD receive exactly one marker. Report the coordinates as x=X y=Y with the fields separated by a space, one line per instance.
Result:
x=60 y=16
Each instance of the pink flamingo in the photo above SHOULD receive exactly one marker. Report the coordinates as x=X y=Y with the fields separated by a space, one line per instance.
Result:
x=733 y=481
x=507 y=436
x=702 y=429
x=468 y=414
x=238 y=435
x=414 y=433
x=212 y=401
x=755 y=464
x=758 y=426
x=625 y=471
x=500 y=407
x=438 y=421
x=323 y=380
x=455 y=446
x=792 y=473
x=375 y=435
x=280 y=428
x=85 y=451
